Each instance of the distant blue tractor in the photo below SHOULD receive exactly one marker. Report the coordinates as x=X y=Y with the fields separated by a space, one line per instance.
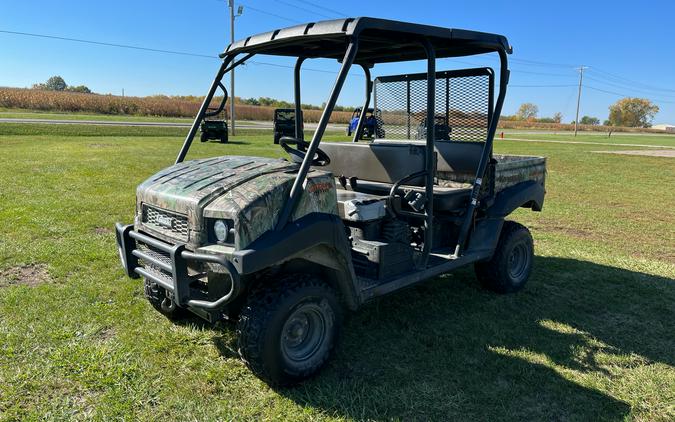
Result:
x=372 y=126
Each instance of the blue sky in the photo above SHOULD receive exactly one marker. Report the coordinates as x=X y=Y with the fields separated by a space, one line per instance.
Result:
x=628 y=46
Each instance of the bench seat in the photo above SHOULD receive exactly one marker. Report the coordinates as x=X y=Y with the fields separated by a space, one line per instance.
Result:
x=445 y=198
x=377 y=166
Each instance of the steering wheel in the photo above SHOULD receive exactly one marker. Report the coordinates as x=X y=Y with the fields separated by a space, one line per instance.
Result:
x=298 y=152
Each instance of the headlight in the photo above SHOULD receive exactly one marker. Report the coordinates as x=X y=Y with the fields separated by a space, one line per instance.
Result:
x=221 y=229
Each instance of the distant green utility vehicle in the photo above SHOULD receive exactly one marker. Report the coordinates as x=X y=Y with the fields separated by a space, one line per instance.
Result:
x=284 y=123
x=213 y=124
x=284 y=247
x=214 y=129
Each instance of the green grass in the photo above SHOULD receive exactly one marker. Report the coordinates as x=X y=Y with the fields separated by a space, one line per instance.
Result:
x=665 y=140
x=590 y=338
x=9 y=113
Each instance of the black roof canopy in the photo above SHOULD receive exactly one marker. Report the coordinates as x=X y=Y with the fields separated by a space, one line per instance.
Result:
x=381 y=41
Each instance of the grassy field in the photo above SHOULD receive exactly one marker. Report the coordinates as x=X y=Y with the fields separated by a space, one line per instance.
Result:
x=590 y=338
x=7 y=113
x=664 y=140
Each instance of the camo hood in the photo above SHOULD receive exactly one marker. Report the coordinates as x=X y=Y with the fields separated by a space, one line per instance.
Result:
x=175 y=203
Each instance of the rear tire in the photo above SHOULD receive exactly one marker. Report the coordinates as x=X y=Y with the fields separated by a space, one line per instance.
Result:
x=509 y=268
x=204 y=137
x=287 y=330
x=223 y=139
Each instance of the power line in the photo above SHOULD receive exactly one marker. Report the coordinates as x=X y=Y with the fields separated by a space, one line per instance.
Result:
x=107 y=44
x=318 y=6
x=156 y=50
x=332 y=72
x=306 y=10
x=542 y=73
x=641 y=91
x=626 y=95
x=632 y=82
x=541 y=86
x=538 y=63
x=203 y=55
x=515 y=70
x=265 y=12
x=190 y=54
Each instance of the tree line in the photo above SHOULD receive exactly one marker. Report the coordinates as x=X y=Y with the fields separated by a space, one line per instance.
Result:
x=56 y=83
x=626 y=112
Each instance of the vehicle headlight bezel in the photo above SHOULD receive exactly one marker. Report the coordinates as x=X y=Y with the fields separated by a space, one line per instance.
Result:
x=220 y=230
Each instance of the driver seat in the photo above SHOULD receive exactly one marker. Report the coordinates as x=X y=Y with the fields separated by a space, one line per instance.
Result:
x=378 y=165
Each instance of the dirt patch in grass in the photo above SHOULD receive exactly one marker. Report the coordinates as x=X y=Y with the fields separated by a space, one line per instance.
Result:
x=102 y=230
x=29 y=275
x=106 y=333
x=576 y=232
x=644 y=152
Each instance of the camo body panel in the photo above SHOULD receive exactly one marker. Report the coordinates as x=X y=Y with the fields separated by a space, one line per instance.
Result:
x=255 y=205
x=250 y=189
x=510 y=170
x=514 y=169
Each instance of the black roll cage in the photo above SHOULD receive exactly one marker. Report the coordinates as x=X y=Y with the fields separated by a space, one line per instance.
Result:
x=350 y=54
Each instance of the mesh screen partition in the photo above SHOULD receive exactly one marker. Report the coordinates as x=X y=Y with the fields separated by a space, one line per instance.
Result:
x=463 y=105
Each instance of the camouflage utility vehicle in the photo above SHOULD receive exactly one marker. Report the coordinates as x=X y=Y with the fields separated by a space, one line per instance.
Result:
x=285 y=246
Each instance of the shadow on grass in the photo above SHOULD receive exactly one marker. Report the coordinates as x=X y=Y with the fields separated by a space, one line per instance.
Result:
x=238 y=143
x=448 y=350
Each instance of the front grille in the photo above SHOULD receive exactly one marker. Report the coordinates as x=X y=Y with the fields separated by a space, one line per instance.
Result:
x=196 y=270
x=154 y=253
x=168 y=223
x=153 y=268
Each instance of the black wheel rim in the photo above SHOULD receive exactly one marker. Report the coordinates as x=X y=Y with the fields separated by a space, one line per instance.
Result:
x=519 y=261
x=304 y=332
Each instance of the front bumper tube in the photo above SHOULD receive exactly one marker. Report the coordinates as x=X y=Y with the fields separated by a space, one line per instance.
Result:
x=173 y=276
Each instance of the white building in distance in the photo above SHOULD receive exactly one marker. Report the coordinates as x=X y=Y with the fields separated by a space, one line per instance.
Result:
x=665 y=128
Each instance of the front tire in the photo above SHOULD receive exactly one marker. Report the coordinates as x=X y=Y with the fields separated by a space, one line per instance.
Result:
x=287 y=331
x=509 y=268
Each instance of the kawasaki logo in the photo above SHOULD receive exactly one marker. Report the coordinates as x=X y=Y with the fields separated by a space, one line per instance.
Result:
x=165 y=221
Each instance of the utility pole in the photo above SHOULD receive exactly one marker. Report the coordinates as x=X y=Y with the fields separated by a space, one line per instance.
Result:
x=581 y=78
x=231 y=4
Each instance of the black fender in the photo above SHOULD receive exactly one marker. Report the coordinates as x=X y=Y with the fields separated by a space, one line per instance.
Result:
x=485 y=235
x=528 y=194
x=319 y=238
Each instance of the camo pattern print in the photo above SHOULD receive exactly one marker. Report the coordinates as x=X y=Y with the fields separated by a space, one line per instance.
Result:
x=510 y=170
x=248 y=190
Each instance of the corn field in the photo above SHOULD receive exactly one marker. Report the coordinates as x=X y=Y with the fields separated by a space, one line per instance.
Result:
x=65 y=102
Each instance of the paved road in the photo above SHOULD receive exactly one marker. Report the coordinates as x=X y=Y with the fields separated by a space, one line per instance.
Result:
x=240 y=125
x=250 y=124
x=611 y=144
x=566 y=132
x=92 y=122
